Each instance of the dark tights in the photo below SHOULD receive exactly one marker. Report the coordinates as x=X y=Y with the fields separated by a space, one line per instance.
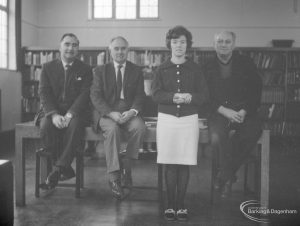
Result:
x=177 y=178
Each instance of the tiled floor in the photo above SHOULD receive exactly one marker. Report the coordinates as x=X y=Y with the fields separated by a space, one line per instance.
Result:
x=97 y=207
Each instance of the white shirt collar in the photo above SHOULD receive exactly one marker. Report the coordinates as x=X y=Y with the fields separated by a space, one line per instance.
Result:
x=64 y=64
x=117 y=64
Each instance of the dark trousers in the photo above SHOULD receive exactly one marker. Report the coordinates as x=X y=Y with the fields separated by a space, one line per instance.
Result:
x=63 y=143
x=233 y=150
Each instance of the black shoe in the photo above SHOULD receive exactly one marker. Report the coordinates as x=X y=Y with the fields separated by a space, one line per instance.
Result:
x=219 y=184
x=226 y=190
x=182 y=215
x=67 y=173
x=52 y=179
x=126 y=178
x=170 y=215
x=116 y=189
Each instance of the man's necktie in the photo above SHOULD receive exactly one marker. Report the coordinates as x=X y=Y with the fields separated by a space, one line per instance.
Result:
x=67 y=75
x=119 y=82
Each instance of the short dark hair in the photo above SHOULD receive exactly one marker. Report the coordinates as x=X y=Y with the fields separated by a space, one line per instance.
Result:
x=69 y=35
x=176 y=32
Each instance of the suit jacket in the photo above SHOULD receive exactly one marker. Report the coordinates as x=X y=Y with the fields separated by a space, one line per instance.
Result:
x=103 y=89
x=58 y=95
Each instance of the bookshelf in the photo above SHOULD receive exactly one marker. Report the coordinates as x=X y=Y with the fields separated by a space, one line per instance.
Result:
x=279 y=69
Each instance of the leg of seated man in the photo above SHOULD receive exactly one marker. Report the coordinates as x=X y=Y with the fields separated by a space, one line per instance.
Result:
x=111 y=133
x=245 y=139
x=51 y=142
x=220 y=143
x=112 y=140
x=136 y=129
x=72 y=141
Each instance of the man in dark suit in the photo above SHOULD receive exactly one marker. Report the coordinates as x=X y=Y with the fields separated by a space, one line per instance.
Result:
x=117 y=94
x=64 y=94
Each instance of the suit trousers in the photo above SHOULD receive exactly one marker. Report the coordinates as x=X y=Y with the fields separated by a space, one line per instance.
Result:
x=234 y=150
x=62 y=143
x=135 y=130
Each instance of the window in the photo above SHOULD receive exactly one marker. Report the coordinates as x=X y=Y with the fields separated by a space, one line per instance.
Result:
x=125 y=9
x=3 y=34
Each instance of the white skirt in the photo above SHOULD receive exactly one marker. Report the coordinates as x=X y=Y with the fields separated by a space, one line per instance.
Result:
x=177 y=139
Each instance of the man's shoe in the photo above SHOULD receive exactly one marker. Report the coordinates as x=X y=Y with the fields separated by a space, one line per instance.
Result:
x=170 y=215
x=126 y=178
x=226 y=190
x=182 y=215
x=116 y=189
x=52 y=179
x=67 y=173
x=219 y=184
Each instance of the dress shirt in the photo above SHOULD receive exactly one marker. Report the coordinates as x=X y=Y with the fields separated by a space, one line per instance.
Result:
x=116 y=66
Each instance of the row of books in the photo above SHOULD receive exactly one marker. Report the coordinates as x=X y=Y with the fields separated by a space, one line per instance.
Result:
x=30 y=90
x=93 y=59
x=274 y=95
x=293 y=60
x=272 y=78
x=202 y=58
x=41 y=57
x=33 y=74
x=291 y=129
x=266 y=60
x=271 y=111
x=294 y=94
x=147 y=58
x=293 y=77
x=30 y=105
x=276 y=128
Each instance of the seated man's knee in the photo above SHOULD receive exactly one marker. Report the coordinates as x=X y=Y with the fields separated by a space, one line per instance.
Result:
x=137 y=124
x=214 y=139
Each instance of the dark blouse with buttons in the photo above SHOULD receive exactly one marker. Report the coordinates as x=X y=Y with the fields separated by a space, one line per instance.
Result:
x=173 y=78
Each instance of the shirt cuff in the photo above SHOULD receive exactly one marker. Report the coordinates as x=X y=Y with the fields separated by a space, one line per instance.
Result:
x=135 y=111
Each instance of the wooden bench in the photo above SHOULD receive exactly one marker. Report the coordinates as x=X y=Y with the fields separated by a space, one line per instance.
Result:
x=27 y=130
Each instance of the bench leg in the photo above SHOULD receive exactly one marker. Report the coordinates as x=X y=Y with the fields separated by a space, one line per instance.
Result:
x=37 y=175
x=79 y=174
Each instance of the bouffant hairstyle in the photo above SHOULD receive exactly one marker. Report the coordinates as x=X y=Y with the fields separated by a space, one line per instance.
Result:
x=176 y=32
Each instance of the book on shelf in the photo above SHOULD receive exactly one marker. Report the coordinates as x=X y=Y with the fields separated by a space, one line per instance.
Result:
x=271 y=111
x=274 y=95
x=30 y=105
x=270 y=78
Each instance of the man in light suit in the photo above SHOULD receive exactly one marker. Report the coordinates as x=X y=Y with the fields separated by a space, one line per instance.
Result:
x=64 y=94
x=117 y=94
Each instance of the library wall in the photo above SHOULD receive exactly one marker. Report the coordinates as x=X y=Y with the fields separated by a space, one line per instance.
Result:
x=10 y=85
x=30 y=23
x=255 y=22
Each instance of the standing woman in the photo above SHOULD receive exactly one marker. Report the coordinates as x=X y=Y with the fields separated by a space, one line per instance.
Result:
x=180 y=90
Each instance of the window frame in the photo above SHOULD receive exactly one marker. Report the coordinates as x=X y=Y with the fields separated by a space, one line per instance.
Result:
x=6 y=9
x=138 y=18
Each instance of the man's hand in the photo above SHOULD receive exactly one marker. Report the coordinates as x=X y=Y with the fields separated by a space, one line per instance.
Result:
x=232 y=115
x=126 y=115
x=58 y=121
x=115 y=115
x=242 y=114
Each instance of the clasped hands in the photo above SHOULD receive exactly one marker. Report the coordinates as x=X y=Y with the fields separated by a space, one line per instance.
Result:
x=121 y=118
x=234 y=116
x=182 y=98
x=60 y=121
